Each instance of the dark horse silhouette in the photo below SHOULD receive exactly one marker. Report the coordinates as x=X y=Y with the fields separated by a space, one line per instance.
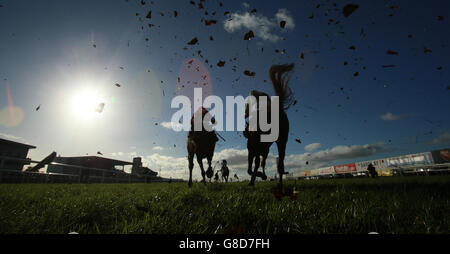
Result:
x=224 y=171
x=201 y=144
x=256 y=148
x=216 y=177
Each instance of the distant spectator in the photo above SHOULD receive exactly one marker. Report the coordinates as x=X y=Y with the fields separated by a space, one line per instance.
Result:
x=373 y=173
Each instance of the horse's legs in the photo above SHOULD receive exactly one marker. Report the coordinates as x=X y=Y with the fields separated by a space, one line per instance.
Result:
x=209 y=159
x=281 y=144
x=191 y=166
x=255 y=171
x=250 y=162
x=200 y=163
x=263 y=165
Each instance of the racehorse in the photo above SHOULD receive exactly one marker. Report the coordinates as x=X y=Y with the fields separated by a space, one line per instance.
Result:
x=201 y=144
x=216 y=177
x=256 y=148
x=224 y=171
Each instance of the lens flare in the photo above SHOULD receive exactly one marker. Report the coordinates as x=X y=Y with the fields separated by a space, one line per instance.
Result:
x=11 y=116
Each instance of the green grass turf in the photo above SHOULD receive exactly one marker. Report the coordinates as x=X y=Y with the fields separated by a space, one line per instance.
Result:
x=386 y=205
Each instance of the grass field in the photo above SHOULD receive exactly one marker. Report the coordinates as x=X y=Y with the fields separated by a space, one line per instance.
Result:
x=385 y=205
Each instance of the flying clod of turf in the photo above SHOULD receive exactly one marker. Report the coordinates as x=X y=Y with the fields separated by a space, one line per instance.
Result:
x=395 y=205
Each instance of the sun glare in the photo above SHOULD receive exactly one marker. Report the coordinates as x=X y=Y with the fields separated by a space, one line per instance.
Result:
x=86 y=104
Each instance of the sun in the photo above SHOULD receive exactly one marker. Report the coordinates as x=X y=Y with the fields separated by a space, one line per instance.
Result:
x=86 y=104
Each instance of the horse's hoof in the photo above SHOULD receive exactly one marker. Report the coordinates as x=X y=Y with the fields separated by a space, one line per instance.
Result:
x=261 y=175
x=264 y=176
x=189 y=185
x=251 y=184
x=249 y=172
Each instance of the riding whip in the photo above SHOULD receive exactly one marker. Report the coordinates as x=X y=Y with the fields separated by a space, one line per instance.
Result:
x=220 y=136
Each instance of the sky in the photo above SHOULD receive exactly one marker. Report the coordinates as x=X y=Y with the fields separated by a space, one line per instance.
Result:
x=370 y=84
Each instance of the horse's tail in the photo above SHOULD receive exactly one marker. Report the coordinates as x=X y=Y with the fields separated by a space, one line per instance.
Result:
x=280 y=80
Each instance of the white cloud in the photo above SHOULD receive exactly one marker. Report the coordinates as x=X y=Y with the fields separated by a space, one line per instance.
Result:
x=262 y=26
x=442 y=139
x=158 y=148
x=168 y=125
x=390 y=117
x=169 y=166
x=235 y=157
x=312 y=147
x=125 y=156
x=117 y=154
x=245 y=5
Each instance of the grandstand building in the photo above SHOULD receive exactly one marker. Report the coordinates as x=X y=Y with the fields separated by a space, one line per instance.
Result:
x=92 y=167
x=87 y=166
x=13 y=155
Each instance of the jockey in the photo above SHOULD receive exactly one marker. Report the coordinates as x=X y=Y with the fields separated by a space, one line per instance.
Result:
x=224 y=170
x=201 y=113
x=224 y=166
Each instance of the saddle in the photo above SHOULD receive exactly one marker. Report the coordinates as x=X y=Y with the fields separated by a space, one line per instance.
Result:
x=203 y=136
